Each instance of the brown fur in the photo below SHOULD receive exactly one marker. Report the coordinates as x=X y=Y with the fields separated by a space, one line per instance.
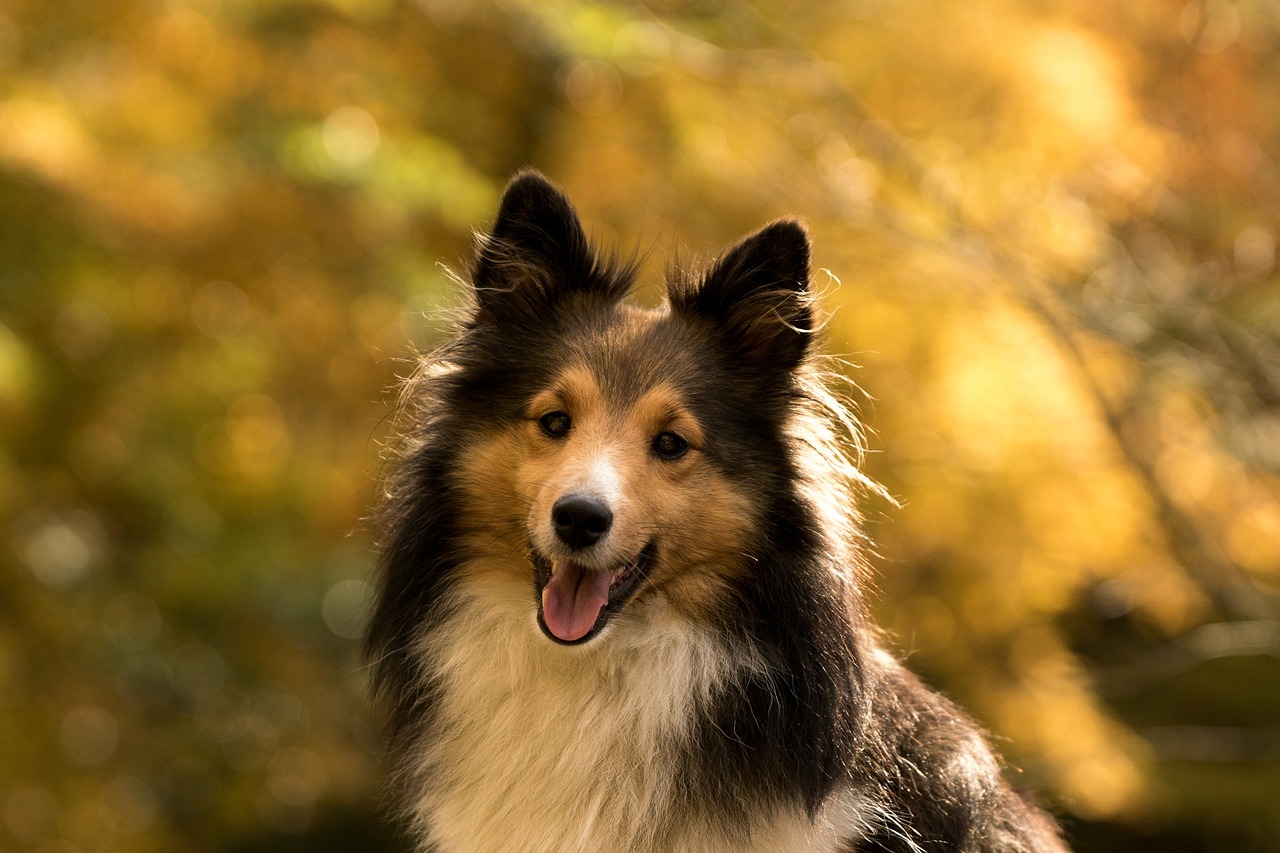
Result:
x=521 y=466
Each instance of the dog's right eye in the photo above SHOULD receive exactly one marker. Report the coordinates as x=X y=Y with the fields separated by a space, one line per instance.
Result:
x=555 y=424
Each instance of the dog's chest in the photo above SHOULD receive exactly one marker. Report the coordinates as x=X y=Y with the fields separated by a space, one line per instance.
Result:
x=538 y=747
x=541 y=748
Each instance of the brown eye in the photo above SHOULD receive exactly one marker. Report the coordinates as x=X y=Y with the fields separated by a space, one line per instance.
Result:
x=669 y=445
x=555 y=424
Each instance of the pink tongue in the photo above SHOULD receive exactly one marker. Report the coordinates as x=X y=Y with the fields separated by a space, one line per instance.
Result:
x=572 y=600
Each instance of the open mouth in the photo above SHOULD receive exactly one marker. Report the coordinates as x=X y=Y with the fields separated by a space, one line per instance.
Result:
x=575 y=602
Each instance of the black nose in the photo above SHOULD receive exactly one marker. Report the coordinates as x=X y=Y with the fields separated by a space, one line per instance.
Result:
x=580 y=520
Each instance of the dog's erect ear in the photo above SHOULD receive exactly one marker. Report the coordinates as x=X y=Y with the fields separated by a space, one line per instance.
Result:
x=536 y=252
x=757 y=294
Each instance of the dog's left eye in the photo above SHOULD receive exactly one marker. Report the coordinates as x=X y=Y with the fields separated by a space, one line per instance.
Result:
x=555 y=424
x=669 y=445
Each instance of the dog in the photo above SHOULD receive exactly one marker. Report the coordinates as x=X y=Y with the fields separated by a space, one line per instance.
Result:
x=620 y=597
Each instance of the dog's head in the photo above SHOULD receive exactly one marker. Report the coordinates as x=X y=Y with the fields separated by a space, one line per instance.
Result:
x=622 y=455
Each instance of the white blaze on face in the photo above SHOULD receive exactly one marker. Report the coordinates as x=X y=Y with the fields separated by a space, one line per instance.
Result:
x=605 y=482
x=596 y=475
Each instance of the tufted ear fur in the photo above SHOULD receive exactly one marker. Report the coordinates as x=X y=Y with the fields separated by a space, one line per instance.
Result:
x=757 y=296
x=537 y=252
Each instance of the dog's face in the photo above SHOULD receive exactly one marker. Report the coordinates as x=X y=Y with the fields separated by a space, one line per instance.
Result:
x=620 y=497
x=624 y=452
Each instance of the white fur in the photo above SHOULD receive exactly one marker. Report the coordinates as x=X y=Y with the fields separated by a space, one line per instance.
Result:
x=542 y=747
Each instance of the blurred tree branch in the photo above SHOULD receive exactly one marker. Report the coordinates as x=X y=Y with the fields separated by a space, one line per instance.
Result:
x=1215 y=744
x=1208 y=642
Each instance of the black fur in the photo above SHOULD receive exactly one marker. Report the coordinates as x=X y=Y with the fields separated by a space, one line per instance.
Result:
x=830 y=711
x=756 y=297
x=538 y=254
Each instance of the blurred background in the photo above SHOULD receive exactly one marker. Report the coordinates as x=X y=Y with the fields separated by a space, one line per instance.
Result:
x=1047 y=234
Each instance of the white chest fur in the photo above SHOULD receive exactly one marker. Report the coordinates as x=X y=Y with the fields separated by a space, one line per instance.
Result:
x=540 y=747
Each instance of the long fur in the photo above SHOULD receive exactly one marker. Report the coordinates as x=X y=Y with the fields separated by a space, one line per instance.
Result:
x=740 y=701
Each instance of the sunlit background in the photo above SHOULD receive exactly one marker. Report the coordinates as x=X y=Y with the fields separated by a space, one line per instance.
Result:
x=1047 y=234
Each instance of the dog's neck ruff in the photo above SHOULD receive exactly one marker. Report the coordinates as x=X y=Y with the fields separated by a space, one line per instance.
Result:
x=536 y=746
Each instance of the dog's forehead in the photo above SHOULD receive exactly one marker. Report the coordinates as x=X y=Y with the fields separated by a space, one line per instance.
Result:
x=635 y=350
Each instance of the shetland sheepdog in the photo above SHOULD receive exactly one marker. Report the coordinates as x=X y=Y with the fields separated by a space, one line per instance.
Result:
x=620 y=604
